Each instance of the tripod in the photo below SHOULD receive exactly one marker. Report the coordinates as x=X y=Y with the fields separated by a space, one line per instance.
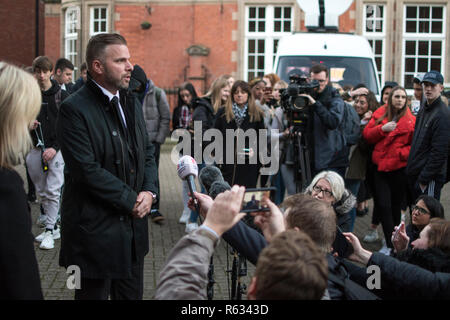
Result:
x=238 y=270
x=302 y=163
x=298 y=156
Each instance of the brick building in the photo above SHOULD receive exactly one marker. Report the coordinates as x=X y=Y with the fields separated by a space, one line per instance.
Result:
x=22 y=31
x=179 y=40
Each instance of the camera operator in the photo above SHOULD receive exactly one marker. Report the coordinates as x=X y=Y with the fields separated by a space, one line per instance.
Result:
x=328 y=109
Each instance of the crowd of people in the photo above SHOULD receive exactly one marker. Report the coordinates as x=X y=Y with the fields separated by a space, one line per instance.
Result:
x=92 y=153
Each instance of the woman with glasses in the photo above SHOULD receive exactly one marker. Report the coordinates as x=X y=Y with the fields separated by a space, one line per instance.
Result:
x=328 y=186
x=424 y=209
x=390 y=131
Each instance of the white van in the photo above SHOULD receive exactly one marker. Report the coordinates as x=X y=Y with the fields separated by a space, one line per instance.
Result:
x=348 y=57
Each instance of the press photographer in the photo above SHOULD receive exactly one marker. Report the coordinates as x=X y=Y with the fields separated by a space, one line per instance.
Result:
x=315 y=109
x=293 y=120
x=328 y=109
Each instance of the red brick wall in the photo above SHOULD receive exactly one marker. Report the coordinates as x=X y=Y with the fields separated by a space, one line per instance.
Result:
x=17 y=34
x=161 y=50
x=52 y=37
x=346 y=22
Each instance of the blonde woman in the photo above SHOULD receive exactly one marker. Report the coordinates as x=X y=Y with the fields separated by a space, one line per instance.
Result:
x=20 y=101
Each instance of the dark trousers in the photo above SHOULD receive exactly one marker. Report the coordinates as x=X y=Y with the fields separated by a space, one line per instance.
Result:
x=117 y=289
x=390 y=193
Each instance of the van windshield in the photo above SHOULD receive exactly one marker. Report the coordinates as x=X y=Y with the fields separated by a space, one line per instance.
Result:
x=343 y=70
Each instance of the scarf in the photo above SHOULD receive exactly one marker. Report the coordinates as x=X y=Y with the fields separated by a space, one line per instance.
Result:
x=239 y=114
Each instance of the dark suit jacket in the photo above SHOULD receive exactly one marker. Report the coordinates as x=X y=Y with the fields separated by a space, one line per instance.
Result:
x=98 y=232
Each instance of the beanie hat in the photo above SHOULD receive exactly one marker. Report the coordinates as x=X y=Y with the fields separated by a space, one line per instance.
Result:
x=139 y=75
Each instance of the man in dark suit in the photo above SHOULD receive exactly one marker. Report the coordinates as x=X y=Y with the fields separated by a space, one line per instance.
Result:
x=110 y=177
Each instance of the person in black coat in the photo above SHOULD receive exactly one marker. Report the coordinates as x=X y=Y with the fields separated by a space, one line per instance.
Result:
x=20 y=101
x=398 y=279
x=110 y=181
x=240 y=154
x=427 y=161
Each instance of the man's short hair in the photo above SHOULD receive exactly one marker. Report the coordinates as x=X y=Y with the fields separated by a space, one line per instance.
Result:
x=43 y=63
x=314 y=217
x=83 y=66
x=318 y=68
x=97 y=44
x=63 y=63
x=291 y=267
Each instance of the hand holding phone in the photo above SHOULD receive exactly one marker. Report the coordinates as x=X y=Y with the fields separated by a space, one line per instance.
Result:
x=341 y=245
x=396 y=232
x=253 y=199
x=399 y=238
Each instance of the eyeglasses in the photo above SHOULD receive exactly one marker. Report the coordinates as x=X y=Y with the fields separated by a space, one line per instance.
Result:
x=420 y=210
x=318 y=189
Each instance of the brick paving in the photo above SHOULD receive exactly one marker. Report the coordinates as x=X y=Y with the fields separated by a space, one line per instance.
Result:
x=163 y=237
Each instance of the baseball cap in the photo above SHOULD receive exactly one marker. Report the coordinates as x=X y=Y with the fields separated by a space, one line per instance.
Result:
x=433 y=76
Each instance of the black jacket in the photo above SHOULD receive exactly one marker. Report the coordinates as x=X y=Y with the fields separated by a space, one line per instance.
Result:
x=409 y=281
x=327 y=138
x=432 y=259
x=427 y=159
x=47 y=116
x=245 y=174
x=204 y=113
x=19 y=272
x=98 y=232
x=78 y=84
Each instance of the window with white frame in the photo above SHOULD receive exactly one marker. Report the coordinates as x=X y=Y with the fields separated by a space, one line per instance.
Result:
x=72 y=25
x=264 y=26
x=423 y=40
x=374 y=30
x=98 y=20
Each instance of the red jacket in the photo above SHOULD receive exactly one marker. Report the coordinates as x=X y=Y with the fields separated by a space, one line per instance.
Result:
x=391 y=148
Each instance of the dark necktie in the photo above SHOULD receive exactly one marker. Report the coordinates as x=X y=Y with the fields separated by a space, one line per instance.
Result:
x=115 y=103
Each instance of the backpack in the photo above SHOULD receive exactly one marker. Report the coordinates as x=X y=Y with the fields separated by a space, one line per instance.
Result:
x=350 y=125
x=157 y=94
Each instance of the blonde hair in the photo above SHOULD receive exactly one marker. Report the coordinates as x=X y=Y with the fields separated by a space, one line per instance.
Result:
x=334 y=179
x=215 y=93
x=20 y=102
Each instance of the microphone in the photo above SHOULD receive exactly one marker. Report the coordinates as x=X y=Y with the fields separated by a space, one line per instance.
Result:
x=187 y=170
x=208 y=175
x=218 y=187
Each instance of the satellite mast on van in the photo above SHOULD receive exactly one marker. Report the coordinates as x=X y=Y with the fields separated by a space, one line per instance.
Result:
x=323 y=15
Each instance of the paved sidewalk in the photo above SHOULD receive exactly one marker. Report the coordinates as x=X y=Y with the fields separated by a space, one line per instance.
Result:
x=162 y=239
